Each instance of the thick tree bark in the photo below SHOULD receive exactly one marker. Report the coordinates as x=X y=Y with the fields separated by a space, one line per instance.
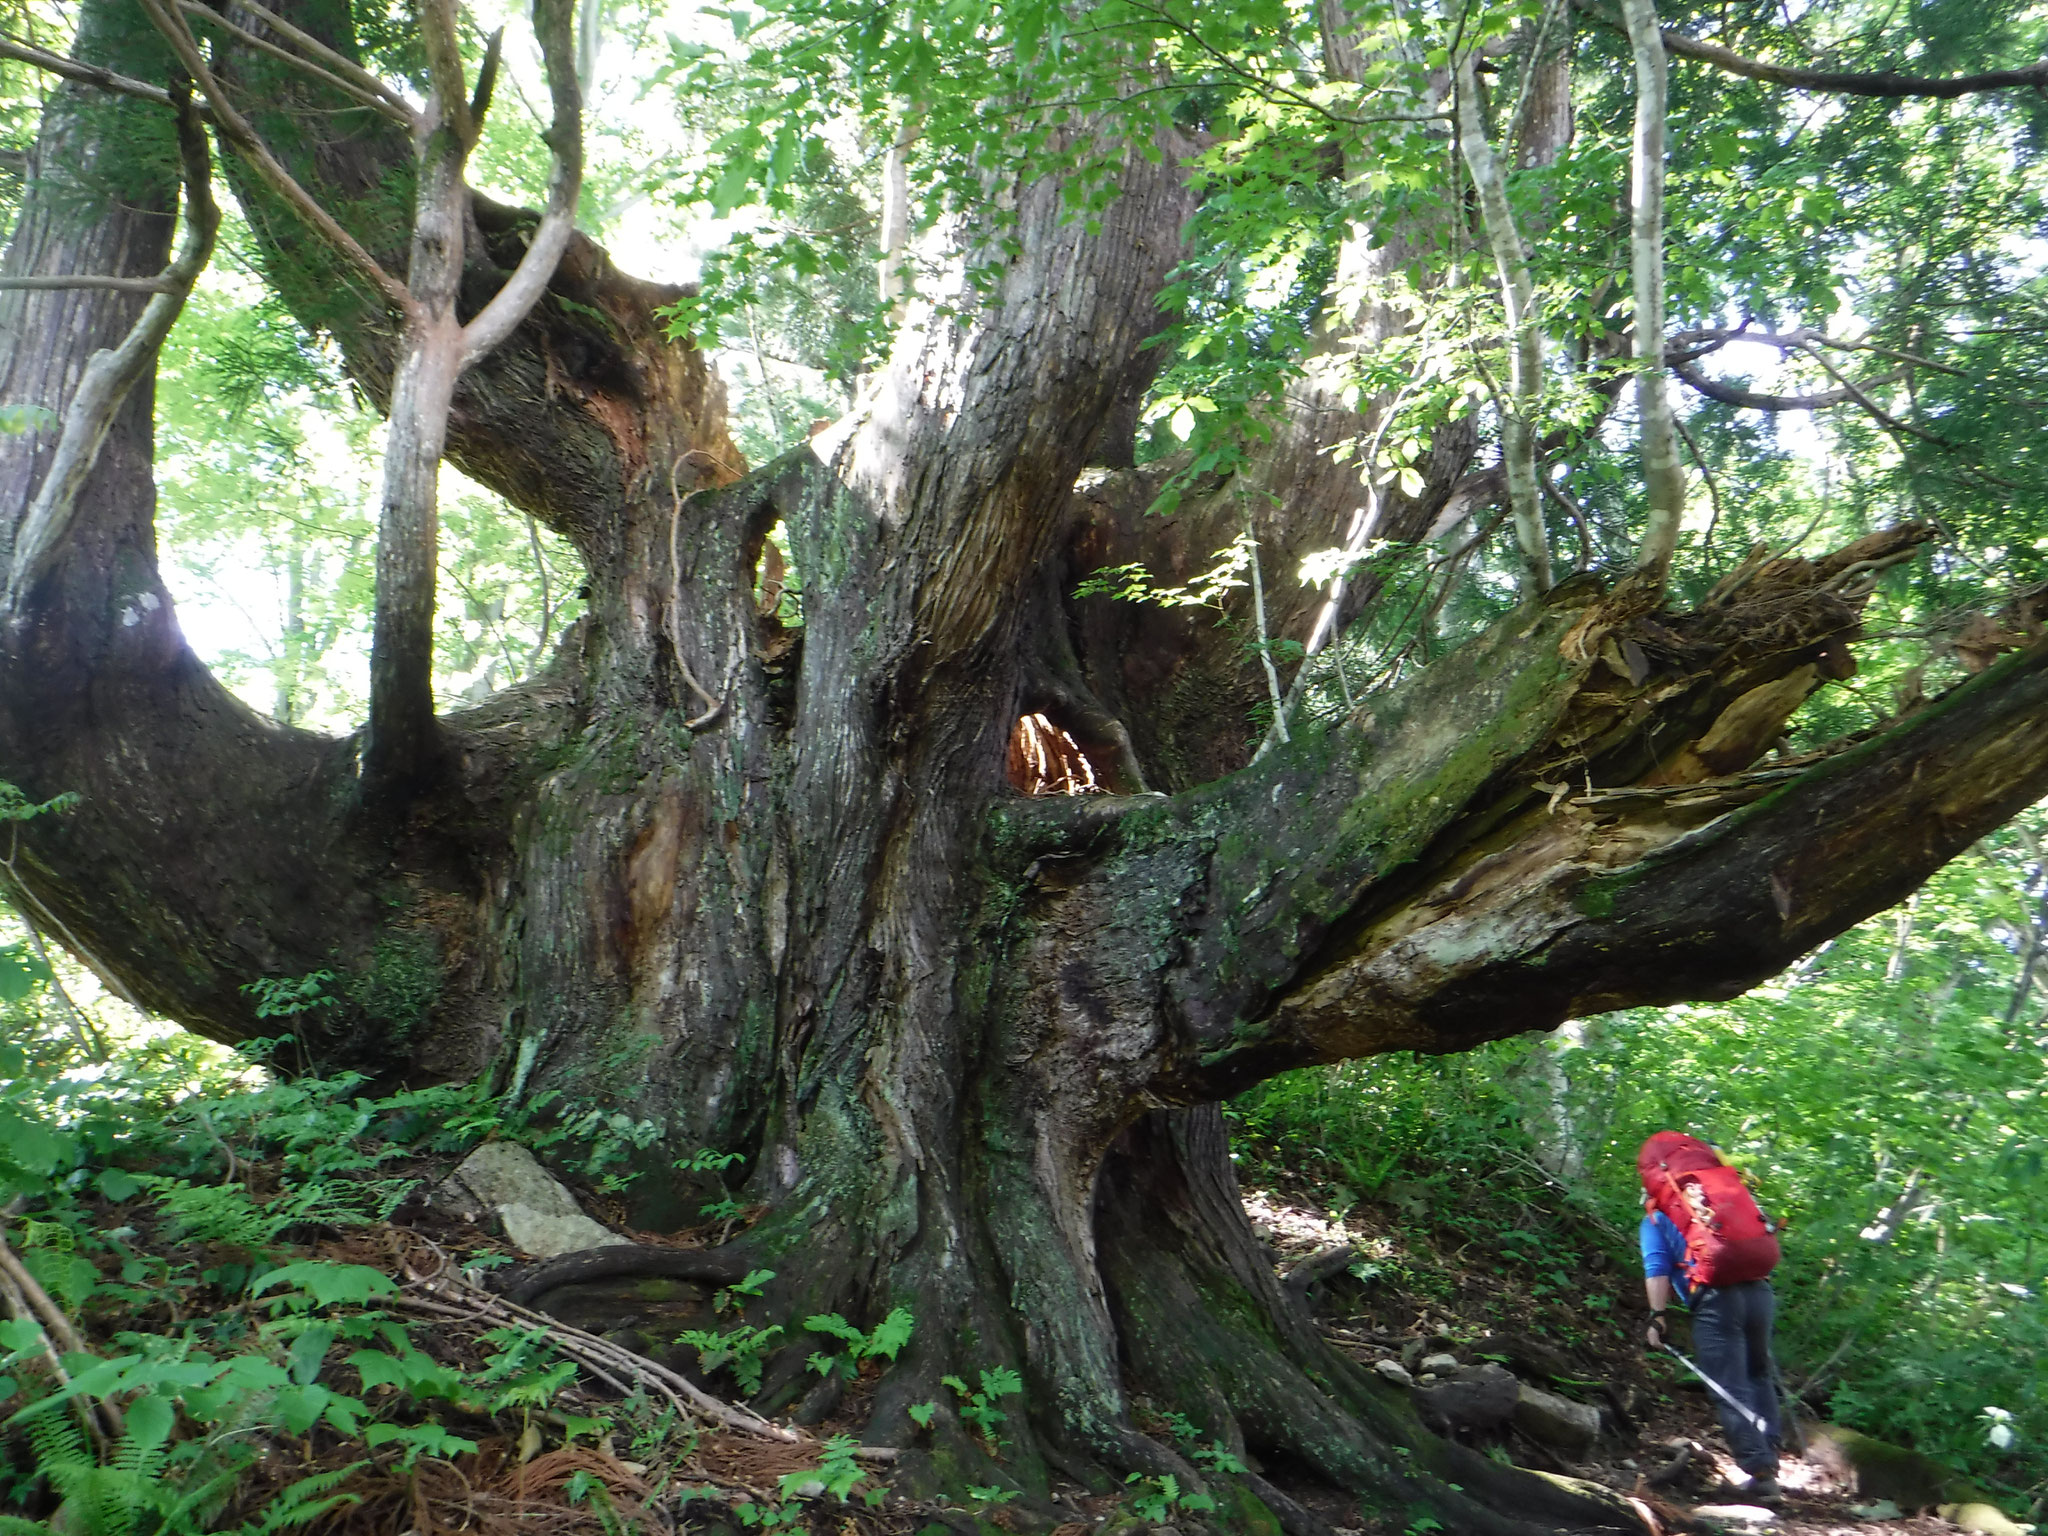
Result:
x=969 y=1042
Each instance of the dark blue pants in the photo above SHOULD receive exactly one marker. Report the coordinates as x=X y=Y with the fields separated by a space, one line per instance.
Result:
x=1731 y=1333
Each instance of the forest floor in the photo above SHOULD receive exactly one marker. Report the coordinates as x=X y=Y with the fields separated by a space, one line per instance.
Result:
x=1573 y=1329
x=1415 y=1287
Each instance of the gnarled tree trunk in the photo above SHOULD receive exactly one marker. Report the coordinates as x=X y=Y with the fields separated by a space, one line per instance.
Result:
x=969 y=1042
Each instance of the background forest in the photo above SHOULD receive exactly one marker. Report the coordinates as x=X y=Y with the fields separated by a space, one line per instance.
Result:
x=1861 y=316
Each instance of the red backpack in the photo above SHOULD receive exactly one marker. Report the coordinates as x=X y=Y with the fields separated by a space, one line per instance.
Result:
x=1727 y=1239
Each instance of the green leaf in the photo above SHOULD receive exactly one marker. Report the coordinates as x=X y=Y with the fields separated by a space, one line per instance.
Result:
x=118 y=1185
x=21 y=973
x=327 y=1284
x=418 y=1439
x=299 y=1408
x=891 y=1334
x=30 y=1145
x=309 y=1353
x=832 y=1324
x=150 y=1420
x=70 y=1277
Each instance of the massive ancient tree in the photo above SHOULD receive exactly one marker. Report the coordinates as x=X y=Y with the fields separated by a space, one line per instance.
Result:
x=775 y=888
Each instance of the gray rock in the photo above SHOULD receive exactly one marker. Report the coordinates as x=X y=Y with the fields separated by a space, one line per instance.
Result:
x=1473 y=1397
x=1556 y=1421
x=1394 y=1371
x=1530 y=1359
x=1442 y=1364
x=1412 y=1350
x=1747 y=1514
x=504 y=1180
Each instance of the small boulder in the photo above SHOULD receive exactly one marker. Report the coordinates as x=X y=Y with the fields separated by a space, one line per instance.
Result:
x=504 y=1180
x=1557 y=1421
x=1442 y=1364
x=1412 y=1350
x=1748 y=1514
x=1526 y=1357
x=1394 y=1371
x=1470 y=1398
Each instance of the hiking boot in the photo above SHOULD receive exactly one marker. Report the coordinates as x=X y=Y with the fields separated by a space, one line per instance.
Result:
x=1764 y=1490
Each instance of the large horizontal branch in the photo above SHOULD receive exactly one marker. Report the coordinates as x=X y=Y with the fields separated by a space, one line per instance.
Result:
x=1887 y=83
x=1695 y=880
x=1757 y=400
x=1642 y=908
x=1407 y=880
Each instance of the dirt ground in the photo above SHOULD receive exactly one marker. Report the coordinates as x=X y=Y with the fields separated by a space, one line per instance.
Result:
x=1652 y=1411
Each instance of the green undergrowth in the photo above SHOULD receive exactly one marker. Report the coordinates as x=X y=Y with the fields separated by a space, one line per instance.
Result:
x=1887 y=1096
x=211 y=1337
x=219 y=1332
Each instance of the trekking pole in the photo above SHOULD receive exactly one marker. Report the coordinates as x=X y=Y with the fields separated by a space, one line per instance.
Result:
x=1755 y=1420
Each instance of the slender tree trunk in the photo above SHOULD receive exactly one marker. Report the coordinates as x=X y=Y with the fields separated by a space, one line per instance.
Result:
x=1663 y=475
x=1519 y=412
x=292 y=656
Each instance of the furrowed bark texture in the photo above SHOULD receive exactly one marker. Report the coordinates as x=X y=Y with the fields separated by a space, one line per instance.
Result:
x=968 y=1043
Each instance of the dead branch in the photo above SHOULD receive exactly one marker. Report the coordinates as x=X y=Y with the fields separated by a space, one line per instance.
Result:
x=86 y=280
x=444 y=1283
x=1756 y=400
x=236 y=129
x=84 y=74
x=340 y=63
x=379 y=101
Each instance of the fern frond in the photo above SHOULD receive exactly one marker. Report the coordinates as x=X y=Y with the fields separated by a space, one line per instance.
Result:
x=62 y=1455
x=303 y=1501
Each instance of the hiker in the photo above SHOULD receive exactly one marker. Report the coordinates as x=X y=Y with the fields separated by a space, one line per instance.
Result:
x=1707 y=1246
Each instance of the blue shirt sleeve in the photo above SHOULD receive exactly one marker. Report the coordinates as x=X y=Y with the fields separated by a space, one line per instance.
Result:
x=1663 y=1248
